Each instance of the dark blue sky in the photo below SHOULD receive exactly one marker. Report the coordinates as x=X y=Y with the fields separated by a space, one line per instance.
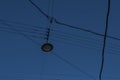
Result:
x=76 y=54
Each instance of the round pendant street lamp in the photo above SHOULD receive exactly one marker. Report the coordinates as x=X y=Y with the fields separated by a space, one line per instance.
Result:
x=47 y=47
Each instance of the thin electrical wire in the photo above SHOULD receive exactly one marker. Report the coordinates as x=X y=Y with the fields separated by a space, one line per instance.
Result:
x=93 y=42
x=39 y=9
x=29 y=38
x=26 y=36
x=88 y=39
x=77 y=37
x=25 y=31
x=19 y=26
x=23 y=25
x=49 y=74
x=30 y=35
x=33 y=36
x=83 y=40
x=58 y=41
x=73 y=65
x=40 y=36
x=80 y=41
x=51 y=8
x=83 y=44
x=70 y=33
x=105 y=39
x=23 y=28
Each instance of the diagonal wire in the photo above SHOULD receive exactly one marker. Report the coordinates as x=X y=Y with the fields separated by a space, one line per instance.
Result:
x=104 y=42
x=39 y=9
x=83 y=29
x=74 y=27
x=73 y=65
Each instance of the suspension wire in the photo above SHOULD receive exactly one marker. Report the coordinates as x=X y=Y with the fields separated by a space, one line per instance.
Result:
x=73 y=65
x=39 y=9
x=104 y=42
x=70 y=26
x=50 y=20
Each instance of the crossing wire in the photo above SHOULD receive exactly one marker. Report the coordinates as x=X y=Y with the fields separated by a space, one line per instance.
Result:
x=105 y=39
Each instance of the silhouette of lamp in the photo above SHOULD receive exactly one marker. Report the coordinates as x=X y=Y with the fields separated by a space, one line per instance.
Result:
x=47 y=47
